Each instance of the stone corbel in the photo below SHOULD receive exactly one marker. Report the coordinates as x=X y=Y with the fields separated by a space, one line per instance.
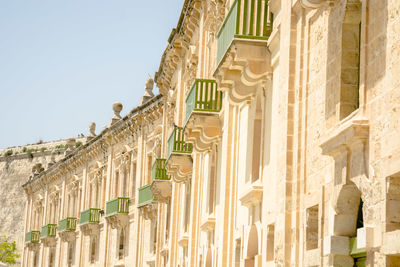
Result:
x=68 y=236
x=203 y=132
x=180 y=168
x=149 y=211
x=118 y=221
x=161 y=190
x=245 y=69
x=90 y=229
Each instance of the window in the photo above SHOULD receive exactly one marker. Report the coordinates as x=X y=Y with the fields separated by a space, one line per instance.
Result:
x=350 y=66
x=70 y=258
x=255 y=173
x=133 y=191
x=212 y=184
x=187 y=207
x=237 y=252
x=116 y=184
x=312 y=228
x=93 y=246
x=51 y=258
x=270 y=242
x=121 y=245
x=168 y=222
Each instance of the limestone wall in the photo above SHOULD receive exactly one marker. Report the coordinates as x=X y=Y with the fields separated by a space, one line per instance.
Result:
x=14 y=172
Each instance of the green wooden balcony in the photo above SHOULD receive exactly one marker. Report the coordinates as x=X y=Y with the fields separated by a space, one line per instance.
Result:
x=48 y=230
x=145 y=196
x=158 y=171
x=204 y=97
x=119 y=205
x=247 y=19
x=90 y=216
x=67 y=224
x=32 y=237
x=177 y=144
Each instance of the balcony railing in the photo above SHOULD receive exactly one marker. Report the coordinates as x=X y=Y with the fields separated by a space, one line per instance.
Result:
x=32 y=237
x=48 y=230
x=247 y=19
x=90 y=216
x=203 y=97
x=177 y=144
x=119 y=205
x=145 y=195
x=67 y=224
x=158 y=171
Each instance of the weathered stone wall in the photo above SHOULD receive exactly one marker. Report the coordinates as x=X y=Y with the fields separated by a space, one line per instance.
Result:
x=14 y=172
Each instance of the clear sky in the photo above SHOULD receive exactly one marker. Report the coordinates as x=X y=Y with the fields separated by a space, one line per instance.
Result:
x=63 y=63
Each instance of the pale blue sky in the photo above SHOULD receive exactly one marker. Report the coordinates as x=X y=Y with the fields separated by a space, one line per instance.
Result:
x=63 y=63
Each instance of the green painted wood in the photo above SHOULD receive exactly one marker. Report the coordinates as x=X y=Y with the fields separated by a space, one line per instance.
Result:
x=48 y=230
x=176 y=143
x=117 y=205
x=32 y=237
x=158 y=170
x=203 y=97
x=145 y=195
x=90 y=215
x=247 y=19
x=67 y=224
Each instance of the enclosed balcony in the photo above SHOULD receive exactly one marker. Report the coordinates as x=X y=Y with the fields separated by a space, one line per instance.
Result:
x=146 y=201
x=117 y=211
x=89 y=221
x=32 y=237
x=179 y=160
x=161 y=185
x=203 y=104
x=145 y=196
x=246 y=20
x=66 y=228
x=48 y=234
x=243 y=55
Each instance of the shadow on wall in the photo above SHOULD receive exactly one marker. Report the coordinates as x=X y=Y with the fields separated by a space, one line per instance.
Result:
x=356 y=54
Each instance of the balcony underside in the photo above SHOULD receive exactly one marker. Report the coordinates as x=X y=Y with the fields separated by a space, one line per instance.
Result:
x=203 y=129
x=161 y=189
x=68 y=236
x=35 y=246
x=180 y=166
x=49 y=241
x=244 y=69
x=148 y=211
x=90 y=229
x=118 y=220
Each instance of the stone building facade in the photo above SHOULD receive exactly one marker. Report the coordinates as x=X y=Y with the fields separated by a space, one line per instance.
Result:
x=274 y=142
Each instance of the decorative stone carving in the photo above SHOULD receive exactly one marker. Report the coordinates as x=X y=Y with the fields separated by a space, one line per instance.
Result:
x=70 y=145
x=68 y=236
x=149 y=211
x=148 y=94
x=117 y=107
x=92 y=130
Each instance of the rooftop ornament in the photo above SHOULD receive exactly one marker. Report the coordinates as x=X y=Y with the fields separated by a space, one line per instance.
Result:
x=148 y=94
x=117 y=107
x=92 y=131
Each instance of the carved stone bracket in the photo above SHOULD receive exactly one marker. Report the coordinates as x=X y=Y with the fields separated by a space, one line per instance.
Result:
x=90 y=229
x=118 y=220
x=33 y=246
x=49 y=241
x=180 y=167
x=208 y=225
x=161 y=189
x=68 y=236
x=245 y=68
x=203 y=130
x=148 y=211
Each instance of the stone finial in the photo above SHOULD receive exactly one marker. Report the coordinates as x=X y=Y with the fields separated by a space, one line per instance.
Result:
x=92 y=131
x=70 y=145
x=117 y=107
x=148 y=94
x=52 y=159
